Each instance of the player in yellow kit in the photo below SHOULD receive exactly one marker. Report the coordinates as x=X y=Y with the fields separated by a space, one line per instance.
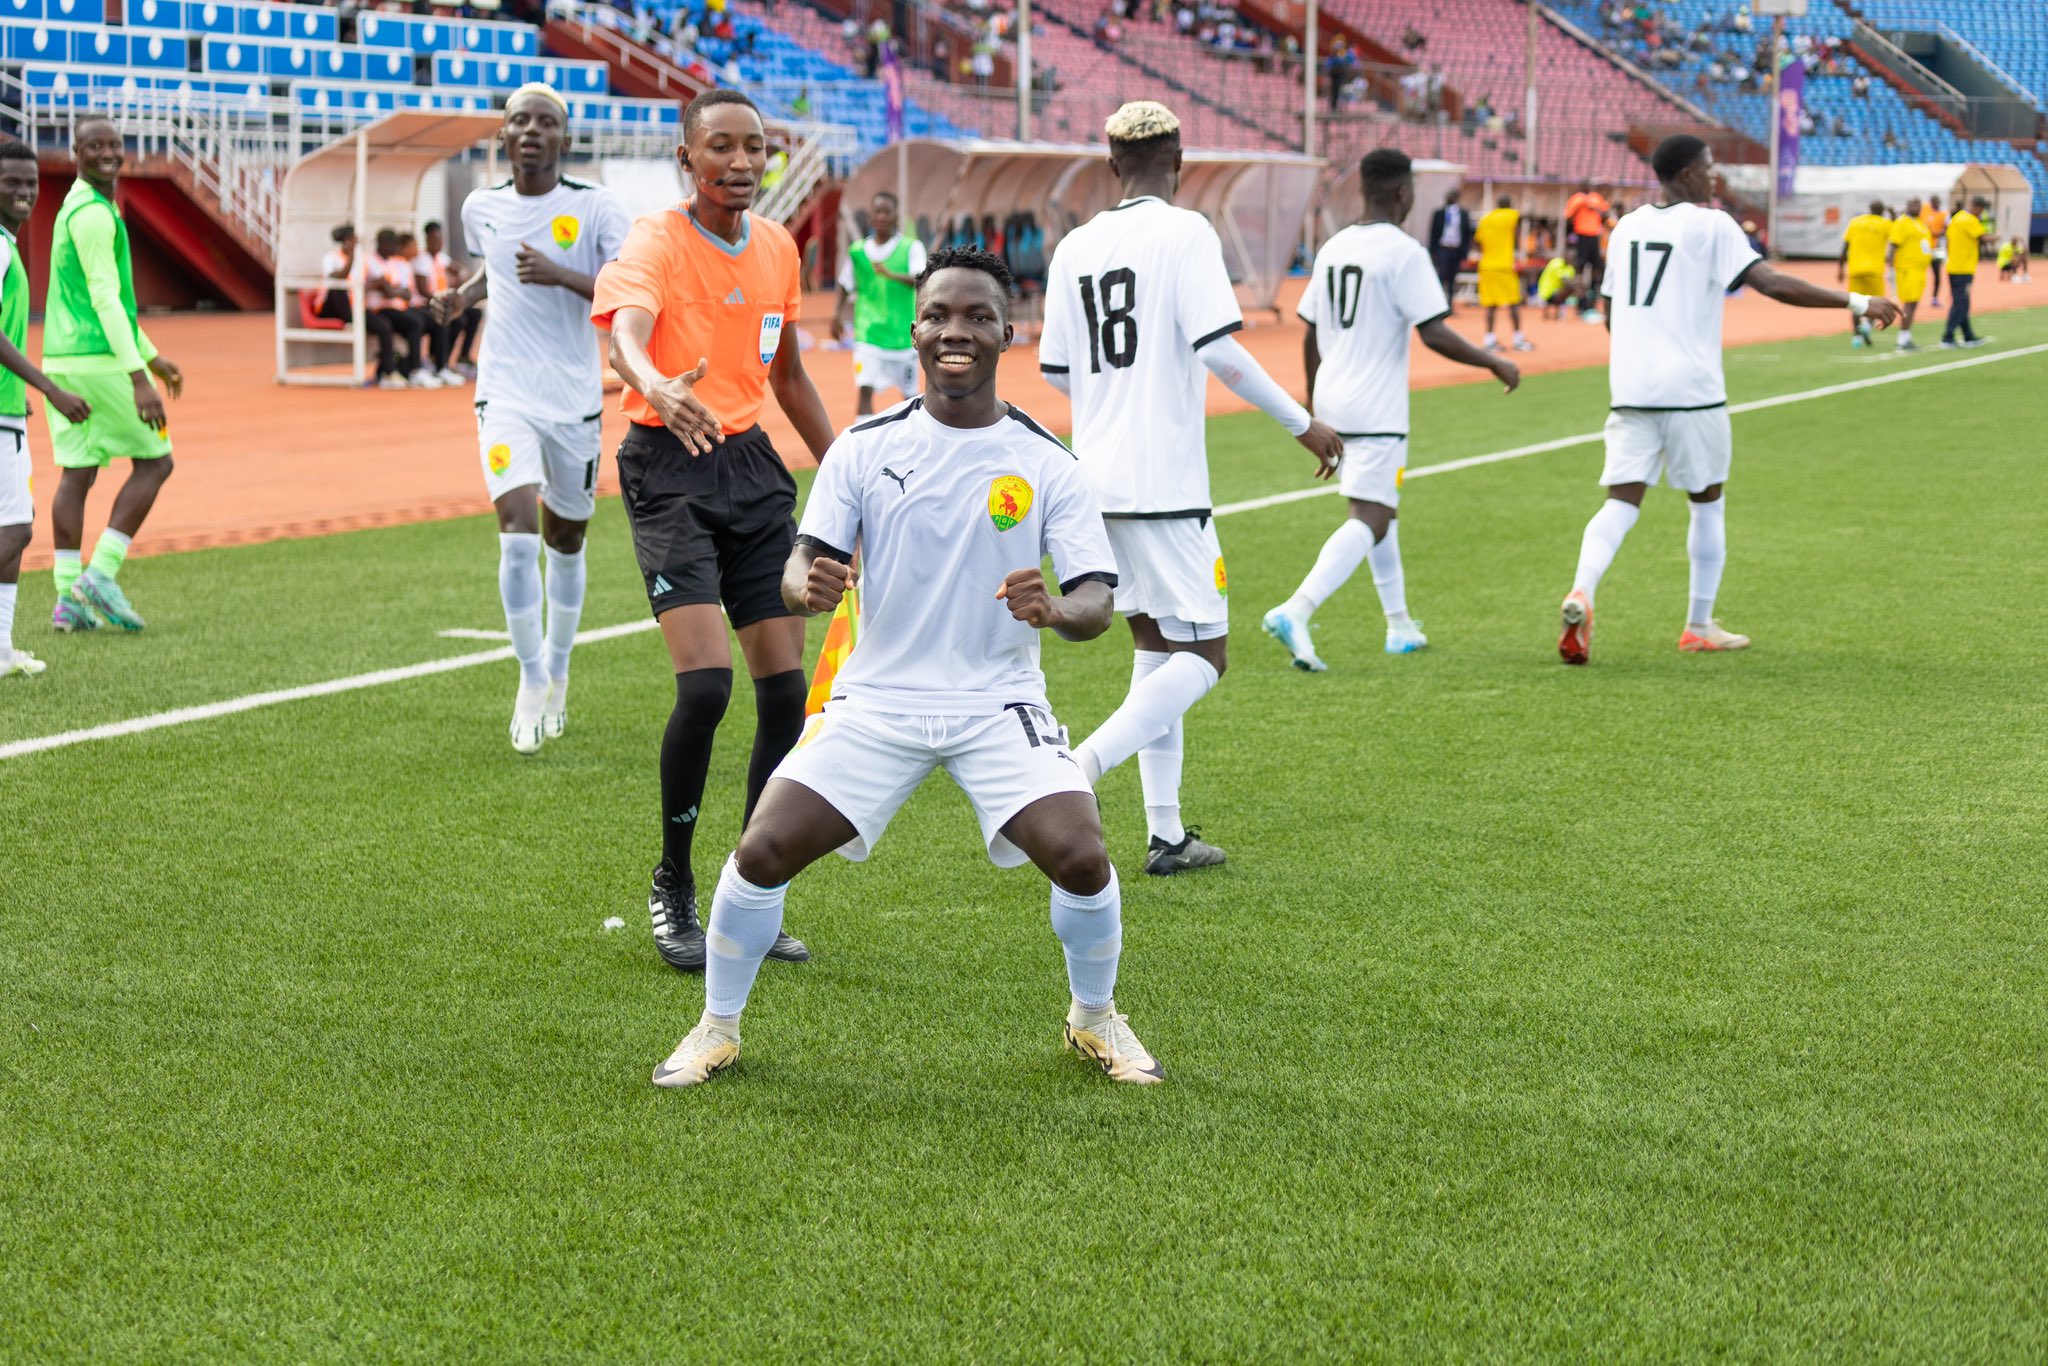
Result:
x=1910 y=252
x=1500 y=286
x=1862 y=263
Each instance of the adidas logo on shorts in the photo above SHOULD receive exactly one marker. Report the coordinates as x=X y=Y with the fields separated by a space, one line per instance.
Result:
x=662 y=585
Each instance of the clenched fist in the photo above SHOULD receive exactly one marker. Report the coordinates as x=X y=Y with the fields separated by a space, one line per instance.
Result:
x=1029 y=601
x=827 y=583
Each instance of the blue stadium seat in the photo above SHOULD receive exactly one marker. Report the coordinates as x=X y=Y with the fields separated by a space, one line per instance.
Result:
x=296 y=23
x=37 y=43
x=158 y=51
x=228 y=55
x=99 y=47
x=211 y=16
x=168 y=15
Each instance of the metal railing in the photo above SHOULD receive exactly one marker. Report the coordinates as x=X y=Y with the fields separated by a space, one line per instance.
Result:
x=659 y=58
x=232 y=149
x=1983 y=59
x=1913 y=72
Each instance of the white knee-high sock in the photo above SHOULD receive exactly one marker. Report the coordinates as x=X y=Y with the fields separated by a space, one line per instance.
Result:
x=1706 y=544
x=1388 y=576
x=1159 y=763
x=1604 y=535
x=744 y=922
x=8 y=592
x=1091 y=931
x=1341 y=555
x=565 y=608
x=1148 y=711
x=519 y=587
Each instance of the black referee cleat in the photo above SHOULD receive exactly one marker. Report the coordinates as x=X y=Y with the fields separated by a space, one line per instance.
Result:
x=1163 y=859
x=788 y=950
x=678 y=938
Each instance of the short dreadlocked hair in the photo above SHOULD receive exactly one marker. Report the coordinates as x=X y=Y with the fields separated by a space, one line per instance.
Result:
x=971 y=258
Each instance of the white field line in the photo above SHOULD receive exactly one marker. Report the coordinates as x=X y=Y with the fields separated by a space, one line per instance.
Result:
x=470 y=633
x=1587 y=438
x=185 y=715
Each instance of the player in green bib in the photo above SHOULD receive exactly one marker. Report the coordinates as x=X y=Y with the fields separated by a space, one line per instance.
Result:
x=93 y=344
x=19 y=179
x=879 y=278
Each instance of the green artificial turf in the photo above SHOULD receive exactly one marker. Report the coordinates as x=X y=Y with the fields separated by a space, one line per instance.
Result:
x=1672 y=1007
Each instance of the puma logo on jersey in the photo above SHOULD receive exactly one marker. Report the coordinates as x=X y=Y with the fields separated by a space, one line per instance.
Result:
x=901 y=486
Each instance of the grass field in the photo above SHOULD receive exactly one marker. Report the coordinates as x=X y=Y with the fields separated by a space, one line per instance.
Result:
x=1673 y=1007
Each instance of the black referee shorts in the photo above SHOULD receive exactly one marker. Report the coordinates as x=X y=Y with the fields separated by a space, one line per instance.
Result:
x=709 y=528
x=1585 y=253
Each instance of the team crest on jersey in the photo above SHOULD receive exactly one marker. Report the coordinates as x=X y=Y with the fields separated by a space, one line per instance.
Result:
x=566 y=229
x=1399 y=476
x=1009 y=501
x=1222 y=579
x=499 y=457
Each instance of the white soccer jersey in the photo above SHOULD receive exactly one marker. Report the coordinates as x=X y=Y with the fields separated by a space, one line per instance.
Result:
x=1129 y=297
x=1669 y=269
x=942 y=515
x=540 y=352
x=1371 y=283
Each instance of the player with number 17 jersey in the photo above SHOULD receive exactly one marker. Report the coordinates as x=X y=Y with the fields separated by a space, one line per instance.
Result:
x=1670 y=266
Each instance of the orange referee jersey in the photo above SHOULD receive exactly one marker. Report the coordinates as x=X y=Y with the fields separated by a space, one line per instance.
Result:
x=728 y=304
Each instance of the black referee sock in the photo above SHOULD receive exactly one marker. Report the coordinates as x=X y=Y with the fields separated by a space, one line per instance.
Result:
x=701 y=695
x=778 y=721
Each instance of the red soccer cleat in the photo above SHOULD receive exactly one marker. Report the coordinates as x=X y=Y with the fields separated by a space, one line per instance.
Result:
x=1577 y=640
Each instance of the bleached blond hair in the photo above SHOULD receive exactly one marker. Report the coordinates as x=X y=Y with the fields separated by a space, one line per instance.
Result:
x=543 y=89
x=1141 y=121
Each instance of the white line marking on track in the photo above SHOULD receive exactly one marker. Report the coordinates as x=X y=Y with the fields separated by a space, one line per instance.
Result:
x=211 y=710
x=470 y=633
x=1587 y=438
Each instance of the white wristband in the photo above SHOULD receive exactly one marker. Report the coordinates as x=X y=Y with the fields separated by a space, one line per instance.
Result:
x=1859 y=304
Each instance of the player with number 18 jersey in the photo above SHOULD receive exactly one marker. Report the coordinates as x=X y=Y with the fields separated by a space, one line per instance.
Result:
x=1139 y=310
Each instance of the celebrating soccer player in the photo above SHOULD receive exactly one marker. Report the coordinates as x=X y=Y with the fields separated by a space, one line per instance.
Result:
x=1139 y=310
x=702 y=307
x=879 y=279
x=955 y=500
x=1370 y=284
x=94 y=346
x=540 y=389
x=19 y=181
x=1670 y=264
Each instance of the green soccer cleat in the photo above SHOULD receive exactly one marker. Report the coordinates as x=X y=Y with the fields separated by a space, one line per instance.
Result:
x=20 y=664
x=99 y=592
x=69 y=617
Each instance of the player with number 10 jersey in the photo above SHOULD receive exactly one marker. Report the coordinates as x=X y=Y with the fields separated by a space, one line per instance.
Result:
x=1139 y=310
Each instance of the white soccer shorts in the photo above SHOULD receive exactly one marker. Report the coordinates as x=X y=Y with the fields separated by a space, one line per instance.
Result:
x=17 y=501
x=866 y=763
x=1372 y=469
x=1171 y=570
x=1690 y=450
x=561 y=457
x=874 y=368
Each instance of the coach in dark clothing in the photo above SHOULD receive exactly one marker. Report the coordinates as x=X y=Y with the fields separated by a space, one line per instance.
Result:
x=1450 y=237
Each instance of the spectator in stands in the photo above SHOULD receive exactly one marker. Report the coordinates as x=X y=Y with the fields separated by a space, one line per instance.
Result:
x=1860 y=87
x=390 y=314
x=332 y=301
x=1412 y=38
x=434 y=333
x=435 y=273
x=942 y=59
x=1450 y=237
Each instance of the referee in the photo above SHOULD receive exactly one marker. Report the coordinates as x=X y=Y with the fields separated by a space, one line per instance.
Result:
x=702 y=307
